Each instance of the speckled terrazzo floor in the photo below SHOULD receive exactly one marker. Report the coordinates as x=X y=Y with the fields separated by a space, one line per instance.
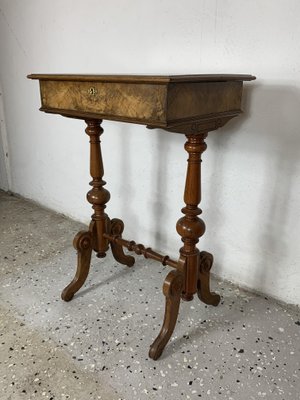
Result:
x=96 y=346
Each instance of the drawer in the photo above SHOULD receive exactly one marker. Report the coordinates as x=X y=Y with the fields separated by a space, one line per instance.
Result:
x=140 y=103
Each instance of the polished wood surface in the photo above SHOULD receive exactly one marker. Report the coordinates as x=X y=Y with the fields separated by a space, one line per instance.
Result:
x=203 y=283
x=135 y=102
x=83 y=244
x=143 y=78
x=169 y=102
x=191 y=227
x=188 y=104
x=172 y=290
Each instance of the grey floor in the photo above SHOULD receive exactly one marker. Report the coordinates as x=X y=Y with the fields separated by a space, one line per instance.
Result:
x=96 y=346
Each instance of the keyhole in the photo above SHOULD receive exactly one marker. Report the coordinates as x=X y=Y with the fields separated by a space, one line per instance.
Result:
x=92 y=91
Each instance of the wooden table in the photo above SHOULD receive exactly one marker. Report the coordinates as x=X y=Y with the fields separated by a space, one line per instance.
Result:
x=191 y=105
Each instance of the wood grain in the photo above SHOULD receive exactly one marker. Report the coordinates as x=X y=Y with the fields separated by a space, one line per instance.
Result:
x=140 y=102
x=176 y=103
x=190 y=100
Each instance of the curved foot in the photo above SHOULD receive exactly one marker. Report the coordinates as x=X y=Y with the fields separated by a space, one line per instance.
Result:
x=204 y=293
x=83 y=244
x=116 y=228
x=172 y=289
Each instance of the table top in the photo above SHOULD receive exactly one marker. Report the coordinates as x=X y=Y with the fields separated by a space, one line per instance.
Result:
x=144 y=78
x=176 y=103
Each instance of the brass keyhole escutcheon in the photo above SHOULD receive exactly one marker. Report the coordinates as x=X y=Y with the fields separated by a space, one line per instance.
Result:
x=92 y=91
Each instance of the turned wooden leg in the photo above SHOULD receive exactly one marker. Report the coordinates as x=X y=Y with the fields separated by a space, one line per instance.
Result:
x=83 y=244
x=116 y=229
x=191 y=227
x=204 y=293
x=172 y=289
x=98 y=196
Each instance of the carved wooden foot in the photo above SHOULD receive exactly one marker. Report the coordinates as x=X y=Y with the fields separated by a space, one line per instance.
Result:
x=172 y=290
x=83 y=244
x=204 y=293
x=116 y=228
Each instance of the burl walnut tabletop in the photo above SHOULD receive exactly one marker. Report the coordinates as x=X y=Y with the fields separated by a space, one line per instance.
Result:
x=191 y=105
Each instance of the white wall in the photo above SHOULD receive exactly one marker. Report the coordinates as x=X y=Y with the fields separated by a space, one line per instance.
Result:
x=251 y=170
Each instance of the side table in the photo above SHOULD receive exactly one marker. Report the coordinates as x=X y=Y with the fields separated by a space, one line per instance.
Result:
x=191 y=105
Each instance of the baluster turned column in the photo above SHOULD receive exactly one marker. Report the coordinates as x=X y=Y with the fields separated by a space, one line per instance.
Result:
x=86 y=241
x=191 y=227
x=98 y=196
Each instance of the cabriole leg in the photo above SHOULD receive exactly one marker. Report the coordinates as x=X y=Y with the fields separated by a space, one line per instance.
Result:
x=116 y=228
x=83 y=244
x=203 y=286
x=172 y=290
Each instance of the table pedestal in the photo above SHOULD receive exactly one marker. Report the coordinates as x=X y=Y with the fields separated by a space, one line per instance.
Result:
x=191 y=273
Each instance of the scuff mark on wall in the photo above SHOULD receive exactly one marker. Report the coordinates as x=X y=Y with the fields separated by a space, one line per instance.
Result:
x=12 y=32
x=5 y=173
x=215 y=21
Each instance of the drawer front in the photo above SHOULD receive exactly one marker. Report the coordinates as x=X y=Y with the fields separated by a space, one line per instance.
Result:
x=144 y=103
